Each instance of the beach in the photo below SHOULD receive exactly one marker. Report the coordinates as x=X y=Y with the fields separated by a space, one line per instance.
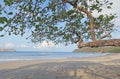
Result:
x=100 y=67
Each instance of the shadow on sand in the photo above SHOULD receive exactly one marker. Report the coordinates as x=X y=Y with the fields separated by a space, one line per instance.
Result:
x=63 y=70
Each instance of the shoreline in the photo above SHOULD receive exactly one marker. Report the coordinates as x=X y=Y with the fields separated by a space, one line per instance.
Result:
x=70 y=66
x=21 y=63
x=53 y=56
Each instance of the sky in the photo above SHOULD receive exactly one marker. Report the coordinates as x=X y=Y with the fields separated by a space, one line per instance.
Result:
x=21 y=44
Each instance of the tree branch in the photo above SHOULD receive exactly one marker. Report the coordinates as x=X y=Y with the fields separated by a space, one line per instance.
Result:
x=90 y=17
x=105 y=35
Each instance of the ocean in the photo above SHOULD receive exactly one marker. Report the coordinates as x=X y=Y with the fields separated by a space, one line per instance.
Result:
x=35 y=55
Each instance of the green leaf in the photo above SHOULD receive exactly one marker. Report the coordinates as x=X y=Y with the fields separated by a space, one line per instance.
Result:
x=109 y=7
x=1 y=35
x=30 y=7
x=10 y=13
x=111 y=3
x=8 y=2
x=99 y=10
x=53 y=8
x=1 y=28
x=0 y=7
x=36 y=26
x=5 y=1
x=70 y=12
x=3 y=19
x=0 y=13
x=97 y=1
x=101 y=17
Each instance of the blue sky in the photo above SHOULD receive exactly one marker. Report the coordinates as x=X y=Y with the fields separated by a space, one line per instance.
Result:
x=21 y=44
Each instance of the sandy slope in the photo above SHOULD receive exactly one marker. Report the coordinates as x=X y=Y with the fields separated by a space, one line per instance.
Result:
x=103 y=67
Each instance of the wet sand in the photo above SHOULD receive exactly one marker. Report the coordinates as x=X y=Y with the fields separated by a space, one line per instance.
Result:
x=102 y=67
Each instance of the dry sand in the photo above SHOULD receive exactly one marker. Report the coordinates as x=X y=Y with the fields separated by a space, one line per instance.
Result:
x=102 y=67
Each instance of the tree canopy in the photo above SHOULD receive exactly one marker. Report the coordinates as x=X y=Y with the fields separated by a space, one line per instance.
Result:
x=60 y=21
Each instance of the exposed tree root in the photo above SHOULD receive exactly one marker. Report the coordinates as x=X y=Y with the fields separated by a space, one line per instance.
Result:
x=101 y=43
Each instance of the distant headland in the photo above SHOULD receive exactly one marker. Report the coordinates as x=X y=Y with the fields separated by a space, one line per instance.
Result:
x=7 y=50
x=111 y=49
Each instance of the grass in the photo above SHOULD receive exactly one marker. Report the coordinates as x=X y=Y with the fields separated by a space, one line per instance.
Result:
x=99 y=49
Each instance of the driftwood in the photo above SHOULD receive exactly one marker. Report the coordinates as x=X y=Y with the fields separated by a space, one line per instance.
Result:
x=101 y=43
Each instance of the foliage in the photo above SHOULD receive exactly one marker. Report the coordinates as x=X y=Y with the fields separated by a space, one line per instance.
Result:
x=54 y=20
x=107 y=49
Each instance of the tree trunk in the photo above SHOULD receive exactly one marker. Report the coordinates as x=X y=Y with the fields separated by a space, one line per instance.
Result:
x=88 y=13
x=91 y=21
x=100 y=43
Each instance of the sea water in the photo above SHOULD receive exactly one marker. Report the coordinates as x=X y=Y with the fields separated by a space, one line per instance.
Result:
x=35 y=55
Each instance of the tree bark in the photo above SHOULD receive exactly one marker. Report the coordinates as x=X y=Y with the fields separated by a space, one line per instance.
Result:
x=91 y=21
x=100 y=43
x=88 y=13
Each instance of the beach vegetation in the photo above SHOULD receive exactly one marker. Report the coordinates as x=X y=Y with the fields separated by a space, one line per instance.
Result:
x=107 y=49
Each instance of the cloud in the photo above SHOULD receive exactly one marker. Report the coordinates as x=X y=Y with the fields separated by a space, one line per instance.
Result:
x=9 y=45
x=44 y=44
x=22 y=46
x=50 y=46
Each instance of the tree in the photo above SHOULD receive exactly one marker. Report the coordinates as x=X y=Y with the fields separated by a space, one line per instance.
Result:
x=62 y=21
